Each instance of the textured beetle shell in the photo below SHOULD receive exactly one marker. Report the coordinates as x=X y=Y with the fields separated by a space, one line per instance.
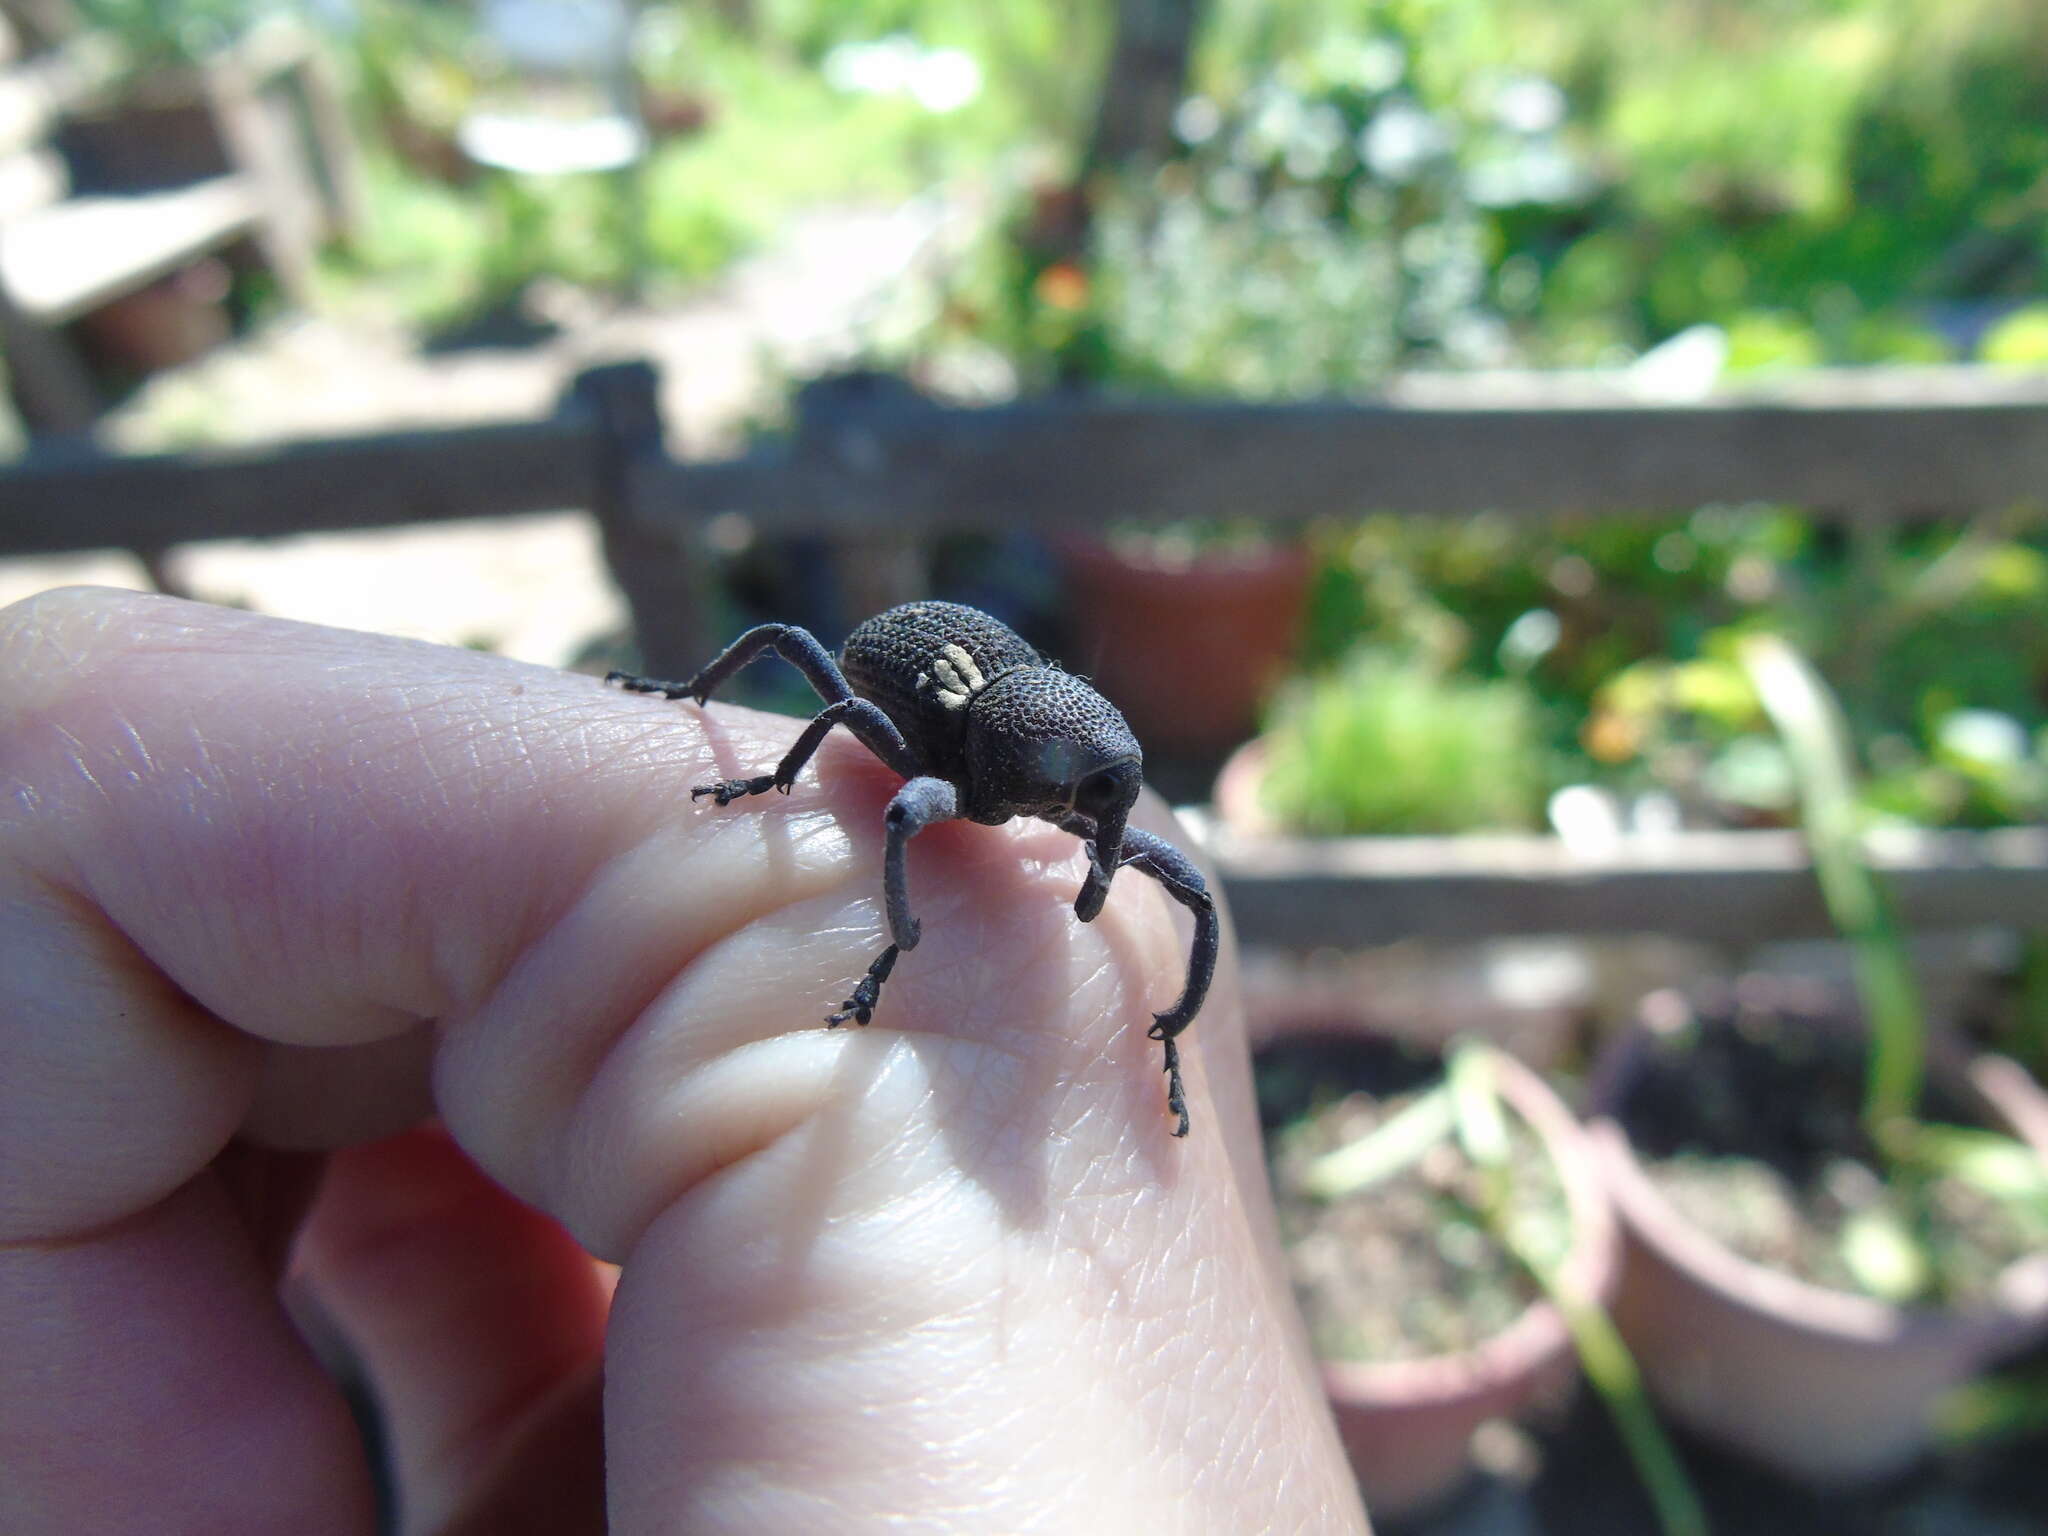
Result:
x=890 y=659
x=1037 y=734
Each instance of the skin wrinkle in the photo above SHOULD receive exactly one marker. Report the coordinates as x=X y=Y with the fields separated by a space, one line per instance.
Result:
x=262 y=926
x=481 y=981
x=467 y=766
x=699 y=974
x=1086 y=1322
x=672 y=965
x=96 y=1173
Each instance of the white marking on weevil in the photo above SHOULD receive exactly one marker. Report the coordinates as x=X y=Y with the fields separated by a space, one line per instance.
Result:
x=958 y=678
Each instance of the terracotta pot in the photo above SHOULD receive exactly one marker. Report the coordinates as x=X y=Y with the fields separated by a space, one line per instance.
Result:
x=168 y=323
x=1407 y=1425
x=1188 y=650
x=1824 y=1386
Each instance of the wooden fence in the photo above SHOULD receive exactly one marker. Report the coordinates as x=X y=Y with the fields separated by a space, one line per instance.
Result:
x=870 y=460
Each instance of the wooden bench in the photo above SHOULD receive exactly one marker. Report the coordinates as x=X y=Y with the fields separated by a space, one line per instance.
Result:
x=285 y=182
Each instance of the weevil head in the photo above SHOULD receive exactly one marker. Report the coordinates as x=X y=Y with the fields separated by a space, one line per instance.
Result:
x=1040 y=742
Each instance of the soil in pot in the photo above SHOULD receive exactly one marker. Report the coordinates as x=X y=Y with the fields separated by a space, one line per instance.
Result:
x=1748 y=1121
x=1407 y=1268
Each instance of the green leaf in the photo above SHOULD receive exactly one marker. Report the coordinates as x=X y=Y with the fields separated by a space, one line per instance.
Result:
x=2005 y=1169
x=1383 y=1152
x=1475 y=1106
x=1883 y=1257
x=1817 y=742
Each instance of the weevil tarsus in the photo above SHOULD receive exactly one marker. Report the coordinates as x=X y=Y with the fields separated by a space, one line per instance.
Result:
x=866 y=992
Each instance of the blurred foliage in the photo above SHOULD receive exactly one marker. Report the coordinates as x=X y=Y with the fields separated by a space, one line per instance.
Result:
x=758 y=112
x=157 y=33
x=1364 y=185
x=1393 y=743
x=1639 y=169
x=1626 y=632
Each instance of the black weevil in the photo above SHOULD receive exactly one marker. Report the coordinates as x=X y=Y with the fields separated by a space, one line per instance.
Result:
x=983 y=728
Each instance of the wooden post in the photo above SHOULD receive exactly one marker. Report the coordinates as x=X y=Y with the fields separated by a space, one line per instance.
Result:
x=53 y=389
x=837 y=423
x=656 y=566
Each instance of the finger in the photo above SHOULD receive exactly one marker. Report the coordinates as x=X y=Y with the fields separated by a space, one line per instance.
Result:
x=151 y=1384
x=145 y=1351
x=476 y=1318
x=923 y=1299
x=891 y=1265
x=147 y=1366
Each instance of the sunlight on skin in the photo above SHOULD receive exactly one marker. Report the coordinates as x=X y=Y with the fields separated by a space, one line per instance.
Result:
x=296 y=885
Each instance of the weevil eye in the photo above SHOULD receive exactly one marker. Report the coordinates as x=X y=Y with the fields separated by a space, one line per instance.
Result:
x=1107 y=789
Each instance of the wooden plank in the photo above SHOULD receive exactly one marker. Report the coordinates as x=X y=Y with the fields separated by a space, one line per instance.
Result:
x=1727 y=887
x=70 y=257
x=60 y=497
x=1889 y=443
x=24 y=112
x=30 y=179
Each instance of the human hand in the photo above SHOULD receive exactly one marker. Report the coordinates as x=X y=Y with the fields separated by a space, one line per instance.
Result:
x=273 y=896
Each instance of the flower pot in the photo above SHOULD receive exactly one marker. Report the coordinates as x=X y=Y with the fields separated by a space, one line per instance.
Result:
x=1187 y=648
x=1407 y=1425
x=1825 y=1386
x=164 y=325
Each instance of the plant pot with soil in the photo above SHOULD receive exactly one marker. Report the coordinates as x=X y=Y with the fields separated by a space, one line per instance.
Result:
x=1427 y=1323
x=1759 y=1217
x=1832 y=1215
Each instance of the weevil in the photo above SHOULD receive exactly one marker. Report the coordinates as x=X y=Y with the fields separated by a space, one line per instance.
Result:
x=984 y=729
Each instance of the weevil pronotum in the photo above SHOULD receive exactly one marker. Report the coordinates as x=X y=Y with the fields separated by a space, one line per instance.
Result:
x=985 y=729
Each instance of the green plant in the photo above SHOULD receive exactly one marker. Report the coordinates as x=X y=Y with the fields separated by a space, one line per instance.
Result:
x=1886 y=1251
x=1467 y=1105
x=159 y=32
x=1816 y=741
x=1392 y=743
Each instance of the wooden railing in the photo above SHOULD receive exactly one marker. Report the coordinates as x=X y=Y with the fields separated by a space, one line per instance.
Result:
x=869 y=459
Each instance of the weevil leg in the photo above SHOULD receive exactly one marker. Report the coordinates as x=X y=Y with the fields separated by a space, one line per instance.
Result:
x=793 y=643
x=921 y=803
x=1176 y=1092
x=875 y=730
x=866 y=992
x=1156 y=857
x=1175 y=871
x=1095 y=889
x=632 y=682
x=802 y=650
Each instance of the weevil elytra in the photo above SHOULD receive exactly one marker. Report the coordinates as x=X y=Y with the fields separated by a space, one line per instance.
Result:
x=984 y=729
